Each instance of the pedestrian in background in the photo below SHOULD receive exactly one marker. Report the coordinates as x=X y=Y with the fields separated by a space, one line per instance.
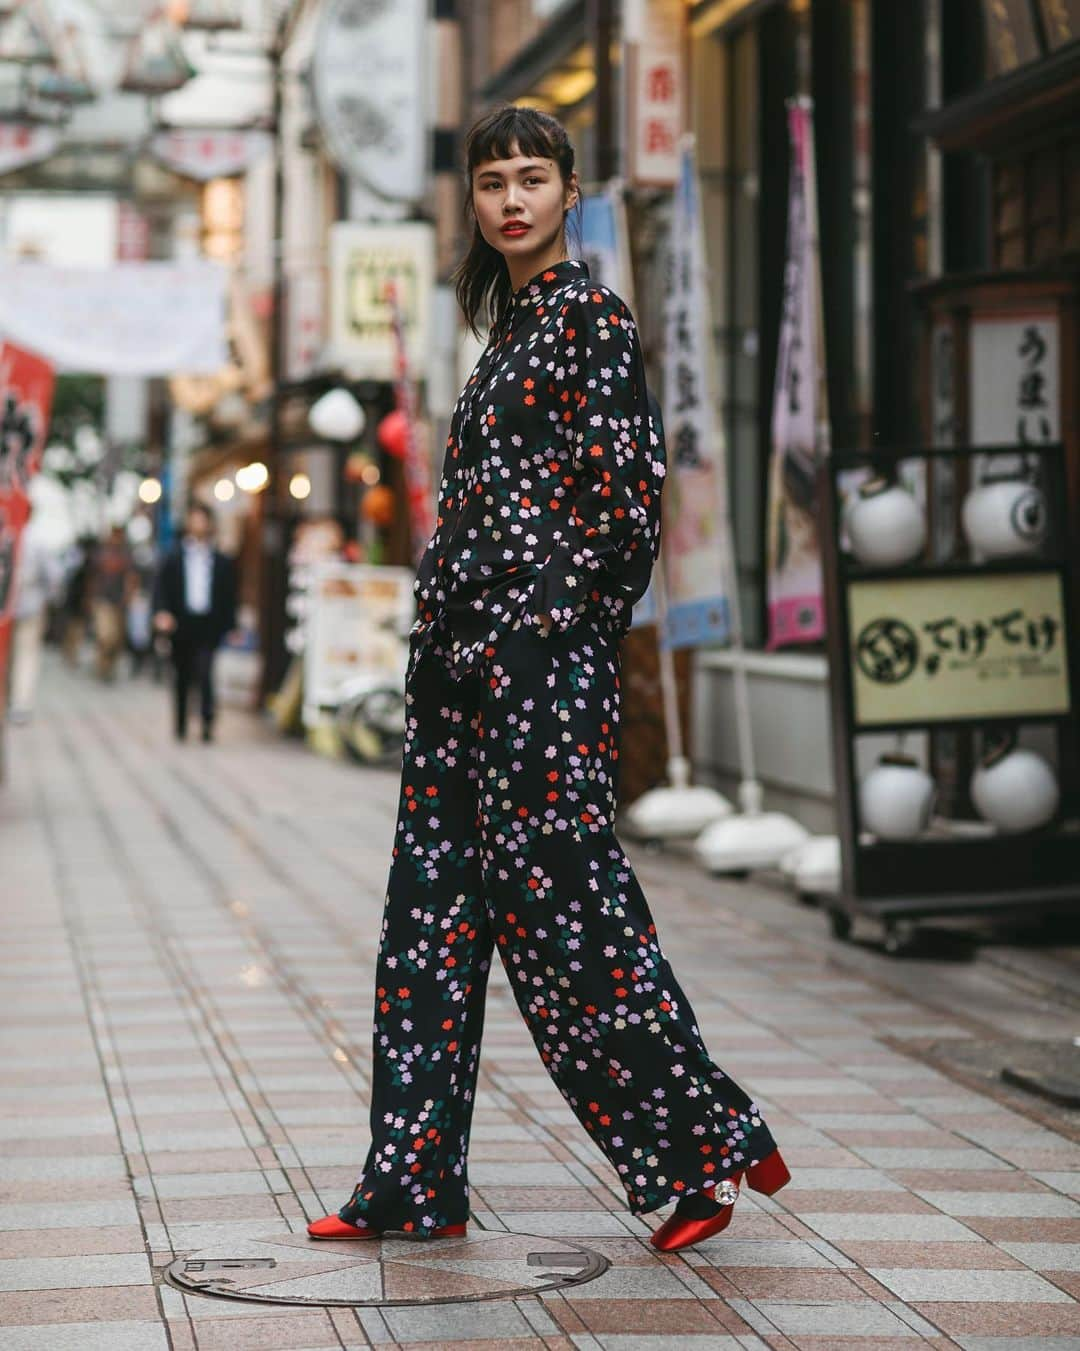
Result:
x=195 y=604
x=548 y=527
x=37 y=581
x=74 y=607
x=112 y=583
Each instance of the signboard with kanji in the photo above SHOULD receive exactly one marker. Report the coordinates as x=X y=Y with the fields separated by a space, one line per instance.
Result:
x=940 y=649
x=656 y=91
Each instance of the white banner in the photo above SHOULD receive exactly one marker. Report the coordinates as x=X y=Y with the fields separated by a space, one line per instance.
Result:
x=368 y=77
x=129 y=319
x=363 y=258
x=203 y=155
x=800 y=417
x=656 y=90
x=697 y=540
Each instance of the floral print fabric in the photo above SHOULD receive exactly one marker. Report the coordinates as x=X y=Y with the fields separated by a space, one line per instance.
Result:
x=550 y=495
x=504 y=841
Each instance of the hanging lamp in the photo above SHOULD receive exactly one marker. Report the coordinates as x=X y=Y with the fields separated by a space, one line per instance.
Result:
x=208 y=16
x=156 y=63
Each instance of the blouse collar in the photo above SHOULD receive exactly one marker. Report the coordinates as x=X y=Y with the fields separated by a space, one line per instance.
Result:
x=550 y=279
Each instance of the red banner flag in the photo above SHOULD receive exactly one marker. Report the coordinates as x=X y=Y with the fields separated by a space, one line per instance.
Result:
x=26 y=392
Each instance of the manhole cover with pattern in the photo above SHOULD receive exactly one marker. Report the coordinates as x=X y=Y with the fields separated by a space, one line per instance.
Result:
x=292 y=1269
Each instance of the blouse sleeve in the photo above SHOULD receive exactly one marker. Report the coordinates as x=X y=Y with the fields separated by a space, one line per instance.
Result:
x=613 y=516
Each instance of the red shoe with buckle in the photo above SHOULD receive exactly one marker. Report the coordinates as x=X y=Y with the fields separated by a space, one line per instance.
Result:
x=768 y=1175
x=333 y=1226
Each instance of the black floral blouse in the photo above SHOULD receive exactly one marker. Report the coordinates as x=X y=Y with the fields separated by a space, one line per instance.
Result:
x=550 y=495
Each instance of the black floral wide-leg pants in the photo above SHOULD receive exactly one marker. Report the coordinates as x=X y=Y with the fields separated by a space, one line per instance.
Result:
x=504 y=840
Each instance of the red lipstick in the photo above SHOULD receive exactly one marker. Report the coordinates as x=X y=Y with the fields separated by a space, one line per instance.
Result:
x=514 y=229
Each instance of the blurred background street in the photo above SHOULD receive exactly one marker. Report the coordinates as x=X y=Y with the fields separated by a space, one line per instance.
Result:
x=231 y=348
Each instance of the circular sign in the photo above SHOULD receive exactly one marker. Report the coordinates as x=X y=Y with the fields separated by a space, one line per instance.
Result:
x=887 y=651
x=294 y=1269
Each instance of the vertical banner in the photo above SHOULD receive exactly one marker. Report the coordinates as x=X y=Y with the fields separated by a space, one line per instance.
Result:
x=26 y=390
x=654 y=32
x=417 y=473
x=605 y=243
x=800 y=434
x=697 y=539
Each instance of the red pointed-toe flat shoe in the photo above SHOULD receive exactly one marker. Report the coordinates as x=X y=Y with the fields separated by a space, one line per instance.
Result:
x=333 y=1226
x=768 y=1175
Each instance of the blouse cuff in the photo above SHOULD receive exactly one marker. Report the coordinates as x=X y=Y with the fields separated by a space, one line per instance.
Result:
x=561 y=591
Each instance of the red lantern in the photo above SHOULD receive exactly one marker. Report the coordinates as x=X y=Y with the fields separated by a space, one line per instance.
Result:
x=393 y=434
x=379 y=505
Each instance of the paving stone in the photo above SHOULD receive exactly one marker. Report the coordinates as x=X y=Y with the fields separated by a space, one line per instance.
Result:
x=981 y=1286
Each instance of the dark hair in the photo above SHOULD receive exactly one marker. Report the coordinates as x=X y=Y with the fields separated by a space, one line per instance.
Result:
x=206 y=509
x=481 y=279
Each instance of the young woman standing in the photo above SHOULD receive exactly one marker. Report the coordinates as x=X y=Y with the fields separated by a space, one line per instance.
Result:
x=547 y=529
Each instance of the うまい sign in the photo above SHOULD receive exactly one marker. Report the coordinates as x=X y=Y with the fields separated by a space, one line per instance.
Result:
x=947 y=649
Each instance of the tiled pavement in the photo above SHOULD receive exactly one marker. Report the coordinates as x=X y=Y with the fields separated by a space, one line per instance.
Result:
x=189 y=934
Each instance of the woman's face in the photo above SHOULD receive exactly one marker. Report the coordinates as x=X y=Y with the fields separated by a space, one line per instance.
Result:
x=520 y=204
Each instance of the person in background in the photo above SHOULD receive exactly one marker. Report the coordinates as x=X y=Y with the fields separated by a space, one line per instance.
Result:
x=195 y=604
x=74 y=606
x=112 y=581
x=36 y=583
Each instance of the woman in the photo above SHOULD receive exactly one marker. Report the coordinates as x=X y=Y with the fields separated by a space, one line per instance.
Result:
x=547 y=529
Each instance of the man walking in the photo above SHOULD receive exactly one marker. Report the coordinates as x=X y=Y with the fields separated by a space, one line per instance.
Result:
x=195 y=604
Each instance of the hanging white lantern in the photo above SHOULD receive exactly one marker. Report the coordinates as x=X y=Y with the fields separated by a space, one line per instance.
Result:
x=156 y=63
x=337 y=416
x=210 y=16
x=23 y=37
x=68 y=81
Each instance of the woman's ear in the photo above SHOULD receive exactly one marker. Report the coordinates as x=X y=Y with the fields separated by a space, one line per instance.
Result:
x=573 y=192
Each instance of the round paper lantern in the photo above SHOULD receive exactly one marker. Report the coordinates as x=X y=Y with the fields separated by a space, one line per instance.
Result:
x=1005 y=517
x=337 y=416
x=378 y=505
x=393 y=434
x=885 y=524
x=896 y=798
x=1015 y=789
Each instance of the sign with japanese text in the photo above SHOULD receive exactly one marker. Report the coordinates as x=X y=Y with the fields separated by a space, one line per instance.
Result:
x=942 y=649
x=204 y=155
x=656 y=90
x=22 y=143
x=363 y=258
x=368 y=79
x=800 y=428
x=26 y=391
x=697 y=539
x=357 y=616
x=1015 y=380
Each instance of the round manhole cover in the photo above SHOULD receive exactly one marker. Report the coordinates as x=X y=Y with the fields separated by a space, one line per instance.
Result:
x=293 y=1269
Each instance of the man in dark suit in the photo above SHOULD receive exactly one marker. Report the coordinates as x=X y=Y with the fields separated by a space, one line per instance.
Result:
x=195 y=604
